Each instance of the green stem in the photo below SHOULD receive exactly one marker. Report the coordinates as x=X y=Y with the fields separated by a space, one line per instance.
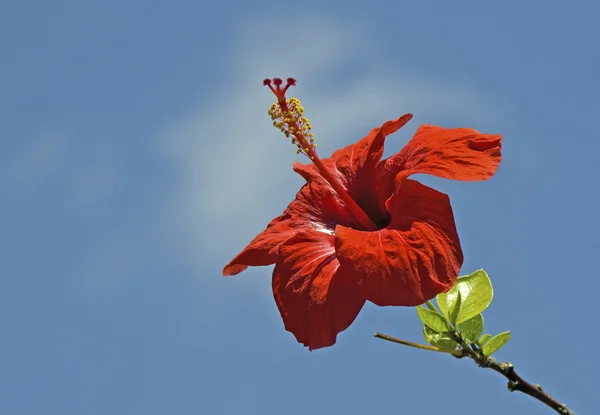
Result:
x=456 y=353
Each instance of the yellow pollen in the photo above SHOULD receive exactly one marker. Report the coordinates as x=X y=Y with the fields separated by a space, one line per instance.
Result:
x=293 y=125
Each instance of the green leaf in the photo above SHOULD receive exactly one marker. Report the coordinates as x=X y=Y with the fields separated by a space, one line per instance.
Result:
x=476 y=295
x=484 y=339
x=430 y=335
x=455 y=309
x=495 y=343
x=433 y=320
x=431 y=306
x=472 y=328
x=439 y=340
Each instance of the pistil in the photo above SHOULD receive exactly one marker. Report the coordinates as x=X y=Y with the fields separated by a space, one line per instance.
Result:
x=287 y=116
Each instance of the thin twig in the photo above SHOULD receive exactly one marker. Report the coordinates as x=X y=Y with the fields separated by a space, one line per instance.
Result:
x=456 y=353
x=506 y=369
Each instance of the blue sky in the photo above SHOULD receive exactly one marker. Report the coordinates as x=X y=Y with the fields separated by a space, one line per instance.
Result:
x=137 y=158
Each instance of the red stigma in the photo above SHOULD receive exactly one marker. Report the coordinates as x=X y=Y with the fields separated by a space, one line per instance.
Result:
x=277 y=89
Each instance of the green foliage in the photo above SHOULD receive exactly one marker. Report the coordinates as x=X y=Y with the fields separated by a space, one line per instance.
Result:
x=436 y=329
x=471 y=295
x=495 y=343
x=439 y=340
x=433 y=320
x=459 y=316
x=472 y=328
x=484 y=339
x=454 y=309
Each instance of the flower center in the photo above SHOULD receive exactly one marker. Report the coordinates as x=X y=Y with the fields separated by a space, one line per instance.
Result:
x=287 y=117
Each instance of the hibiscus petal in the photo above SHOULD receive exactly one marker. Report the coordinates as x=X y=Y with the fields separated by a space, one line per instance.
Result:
x=315 y=207
x=264 y=247
x=355 y=167
x=458 y=153
x=316 y=302
x=416 y=257
x=366 y=153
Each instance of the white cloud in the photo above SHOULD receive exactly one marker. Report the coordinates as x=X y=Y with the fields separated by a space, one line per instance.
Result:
x=235 y=168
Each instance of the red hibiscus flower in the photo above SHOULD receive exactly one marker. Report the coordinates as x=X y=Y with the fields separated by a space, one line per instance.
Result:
x=360 y=229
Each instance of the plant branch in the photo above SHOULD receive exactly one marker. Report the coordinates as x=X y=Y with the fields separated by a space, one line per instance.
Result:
x=506 y=369
x=517 y=383
x=456 y=353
